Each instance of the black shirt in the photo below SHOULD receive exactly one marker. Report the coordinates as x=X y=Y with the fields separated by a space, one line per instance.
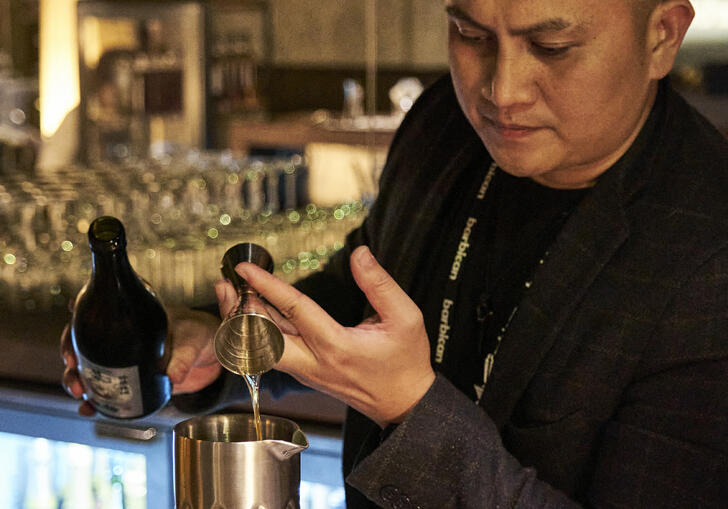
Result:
x=517 y=219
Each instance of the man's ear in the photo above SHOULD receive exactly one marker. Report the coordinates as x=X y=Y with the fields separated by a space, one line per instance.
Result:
x=666 y=29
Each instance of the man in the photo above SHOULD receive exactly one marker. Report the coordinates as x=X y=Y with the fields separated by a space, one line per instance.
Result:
x=544 y=278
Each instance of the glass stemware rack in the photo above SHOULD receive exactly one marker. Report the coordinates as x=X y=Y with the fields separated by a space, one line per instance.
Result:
x=180 y=212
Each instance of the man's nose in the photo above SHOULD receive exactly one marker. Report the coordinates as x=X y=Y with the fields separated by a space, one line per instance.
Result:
x=511 y=82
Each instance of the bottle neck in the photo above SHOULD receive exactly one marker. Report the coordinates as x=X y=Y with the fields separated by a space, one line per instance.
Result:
x=111 y=265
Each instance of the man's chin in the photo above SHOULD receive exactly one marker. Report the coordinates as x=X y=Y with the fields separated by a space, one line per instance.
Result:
x=518 y=159
x=519 y=166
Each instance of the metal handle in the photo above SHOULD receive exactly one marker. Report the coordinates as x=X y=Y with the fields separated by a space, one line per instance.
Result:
x=105 y=429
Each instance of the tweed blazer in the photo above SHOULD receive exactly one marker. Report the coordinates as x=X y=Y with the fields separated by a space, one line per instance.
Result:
x=610 y=388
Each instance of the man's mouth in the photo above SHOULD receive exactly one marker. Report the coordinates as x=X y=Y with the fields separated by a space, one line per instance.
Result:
x=510 y=130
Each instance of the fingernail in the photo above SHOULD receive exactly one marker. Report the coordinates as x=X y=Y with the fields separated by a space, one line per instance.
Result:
x=173 y=371
x=242 y=268
x=75 y=389
x=365 y=257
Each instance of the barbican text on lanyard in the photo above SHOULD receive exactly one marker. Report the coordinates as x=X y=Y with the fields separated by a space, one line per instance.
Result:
x=475 y=215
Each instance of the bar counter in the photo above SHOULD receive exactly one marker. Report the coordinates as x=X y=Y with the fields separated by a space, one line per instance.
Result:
x=36 y=415
x=30 y=357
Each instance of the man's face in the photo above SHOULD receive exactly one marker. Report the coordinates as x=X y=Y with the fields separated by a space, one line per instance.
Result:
x=556 y=89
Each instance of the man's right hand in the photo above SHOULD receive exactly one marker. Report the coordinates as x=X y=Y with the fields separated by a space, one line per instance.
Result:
x=71 y=380
x=192 y=365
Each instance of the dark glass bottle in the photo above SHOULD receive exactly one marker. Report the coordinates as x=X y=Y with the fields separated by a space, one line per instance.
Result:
x=119 y=331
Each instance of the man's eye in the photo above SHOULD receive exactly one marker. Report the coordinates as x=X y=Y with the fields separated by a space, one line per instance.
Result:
x=472 y=35
x=549 y=51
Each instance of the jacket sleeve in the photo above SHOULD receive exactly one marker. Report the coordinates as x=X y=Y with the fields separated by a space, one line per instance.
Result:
x=448 y=454
x=665 y=446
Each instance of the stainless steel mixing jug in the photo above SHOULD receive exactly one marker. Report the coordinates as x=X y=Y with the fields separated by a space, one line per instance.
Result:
x=219 y=464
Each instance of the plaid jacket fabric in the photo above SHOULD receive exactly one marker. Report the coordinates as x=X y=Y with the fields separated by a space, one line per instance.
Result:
x=611 y=386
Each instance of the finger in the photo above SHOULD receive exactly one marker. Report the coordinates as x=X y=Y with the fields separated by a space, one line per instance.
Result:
x=299 y=361
x=86 y=409
x=281 y=321
x=227 y=297
x=67 y=353
x=382 y=292
x=204 y=375
x=190 y=351
x=303 y=313
x=72 y=382
x=296 y=355
x=182 y=360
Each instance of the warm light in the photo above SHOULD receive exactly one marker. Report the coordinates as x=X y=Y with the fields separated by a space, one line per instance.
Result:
x=83 y=225
x=58 y=73
x=341 y=173
x=99 y=34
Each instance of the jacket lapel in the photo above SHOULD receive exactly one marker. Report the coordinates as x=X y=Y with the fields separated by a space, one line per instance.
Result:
x=470 y=154
x=585 y=244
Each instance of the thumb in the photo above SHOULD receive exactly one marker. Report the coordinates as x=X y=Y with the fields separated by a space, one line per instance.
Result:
x=183 y=358
x=382 y=292
x=227 y=297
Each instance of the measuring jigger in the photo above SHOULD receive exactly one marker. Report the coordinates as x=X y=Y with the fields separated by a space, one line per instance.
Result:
x=248 y=341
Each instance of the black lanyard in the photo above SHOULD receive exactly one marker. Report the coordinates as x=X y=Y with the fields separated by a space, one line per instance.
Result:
x=476 y=212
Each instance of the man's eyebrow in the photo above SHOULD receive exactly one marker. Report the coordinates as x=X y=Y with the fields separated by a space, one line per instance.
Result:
x=456 y=12
x=549 y=25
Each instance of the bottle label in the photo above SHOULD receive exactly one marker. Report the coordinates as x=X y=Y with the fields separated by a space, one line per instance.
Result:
x=116 y=392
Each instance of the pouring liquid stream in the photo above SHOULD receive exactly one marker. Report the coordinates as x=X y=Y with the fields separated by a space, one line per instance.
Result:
x=253 y=383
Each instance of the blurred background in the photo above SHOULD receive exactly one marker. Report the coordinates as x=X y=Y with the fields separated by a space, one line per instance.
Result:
x=199 y=124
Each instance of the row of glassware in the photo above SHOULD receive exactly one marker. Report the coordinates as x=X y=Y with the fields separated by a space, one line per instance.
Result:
x=180 y=214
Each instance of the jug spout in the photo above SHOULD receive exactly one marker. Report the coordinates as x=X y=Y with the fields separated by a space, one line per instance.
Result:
x=284 y=450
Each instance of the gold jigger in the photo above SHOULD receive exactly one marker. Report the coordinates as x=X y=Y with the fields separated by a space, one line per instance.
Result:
x=248 y=342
